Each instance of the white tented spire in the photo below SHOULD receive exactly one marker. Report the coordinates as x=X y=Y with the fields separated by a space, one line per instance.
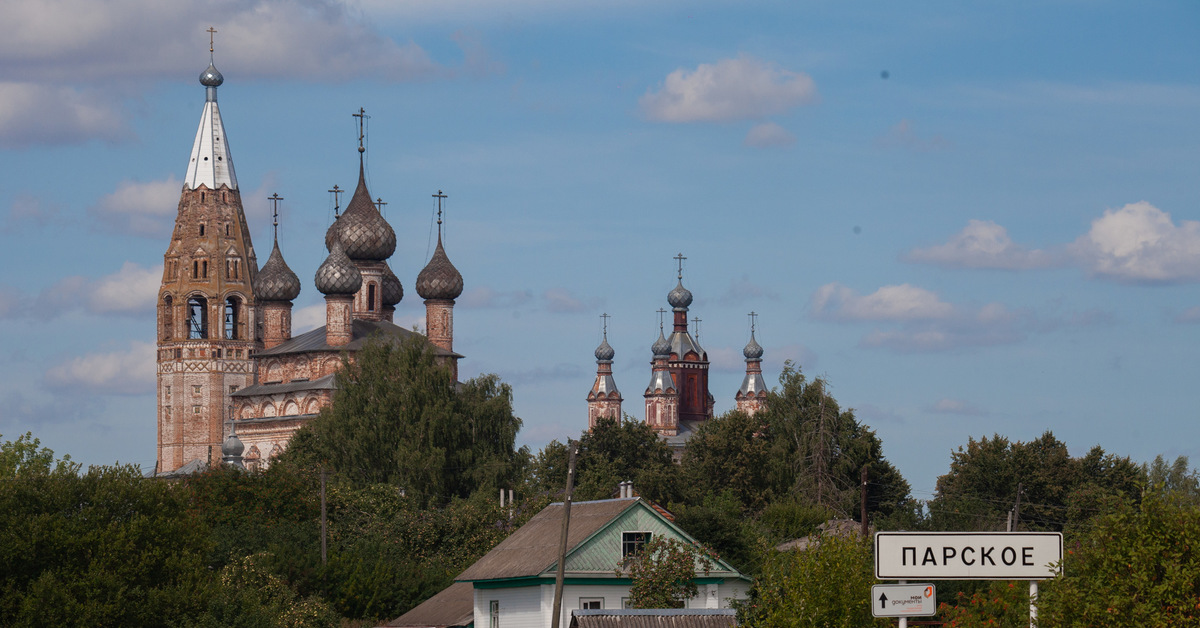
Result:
x=211 y=162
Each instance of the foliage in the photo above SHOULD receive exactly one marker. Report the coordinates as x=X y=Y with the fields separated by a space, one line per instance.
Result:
x=664 y=573
x=792 y=519
x=718 y=523
x=1174 y=478
x=397 y=419
x=1001 y=603
x=827 y=585
x=248 y=595
x=731 y=453
x=22 y=457
x=1137 y=566
x=106 y=548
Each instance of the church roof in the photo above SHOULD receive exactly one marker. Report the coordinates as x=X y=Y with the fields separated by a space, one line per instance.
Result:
x=362 y=330
x=275 y=388
x=439 y=279
x=362 y=230
x=211 y=163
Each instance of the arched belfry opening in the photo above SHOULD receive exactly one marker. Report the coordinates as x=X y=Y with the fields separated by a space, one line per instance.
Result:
x=168 y=317
x=197 y=318
x=233 y=318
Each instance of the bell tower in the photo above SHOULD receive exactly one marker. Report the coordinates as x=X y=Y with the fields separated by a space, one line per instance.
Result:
x=207 y=325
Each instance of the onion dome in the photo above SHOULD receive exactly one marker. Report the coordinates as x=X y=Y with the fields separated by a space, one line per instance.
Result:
x=365 y=235
x=337 y=275
x=392 y=290
x=211 y=77
x=661 y=347
x=753 y=350
x=680 y=298
x=232 y=447
x=276 y=282
x=439 y=279
x=605 y=352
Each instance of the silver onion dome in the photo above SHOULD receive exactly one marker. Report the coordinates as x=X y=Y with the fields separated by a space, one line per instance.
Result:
x=276 y=282
x=439 y=279
x=753 y=350
x=211 y=77
x=605 y=352
x=364 y=233
x=392 y=290
x=661 y=347
x=679 y=298
x=337 y=275
x=232 y=447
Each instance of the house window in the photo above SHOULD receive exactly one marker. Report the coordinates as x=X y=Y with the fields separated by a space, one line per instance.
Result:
x=494 y=614
x=232 y=388
x=591 y=603
x=625 y=603
x=633 y=543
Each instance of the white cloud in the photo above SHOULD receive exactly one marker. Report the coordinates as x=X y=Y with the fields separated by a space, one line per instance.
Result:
x=127 y=372
x=308 y=318
x=904 y=135
x=1140 y=243
x=902 y=302
x=46 y=114
x=131 y=290
x=767 y=135
x=140 y=208
x=730 y=89
x=29 y=210
x=982 y=244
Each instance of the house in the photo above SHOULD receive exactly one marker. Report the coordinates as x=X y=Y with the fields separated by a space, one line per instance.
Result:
x=513 y=585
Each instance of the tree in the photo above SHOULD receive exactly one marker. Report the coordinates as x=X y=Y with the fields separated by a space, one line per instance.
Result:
x=731 y=452
x=397 y=419
x=1137 y=566
x=23 y=457
x=664 y=573
x=827 y=585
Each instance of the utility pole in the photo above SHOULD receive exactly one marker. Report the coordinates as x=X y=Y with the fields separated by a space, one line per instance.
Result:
x=1017 y=511
x=323 y=528
x=864 y=501
x=562 y=544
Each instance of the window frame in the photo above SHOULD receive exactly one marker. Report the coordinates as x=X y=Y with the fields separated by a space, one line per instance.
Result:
x=633 y=546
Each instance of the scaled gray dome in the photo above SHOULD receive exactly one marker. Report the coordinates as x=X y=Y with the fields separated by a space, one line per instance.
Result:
x=232 y=447
x=439 y=279
x=605 y=351
x=753 y=350
x=679 y=297
x=276 y=282
x=661 y=347
x=365 y=235
x=337 y=275
x=211 y=77
x=392 y=291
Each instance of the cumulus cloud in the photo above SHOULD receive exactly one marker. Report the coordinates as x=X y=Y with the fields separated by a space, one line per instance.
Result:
x=904 y=135
x=730 y=89
x=768 y=135
x=1140 y=243
x=956 y=406
x=48 y=114
x=982 y=244
x=132 y=290
x=308 y=318
x=125 y=372
x=895 y=303
x=146 y=209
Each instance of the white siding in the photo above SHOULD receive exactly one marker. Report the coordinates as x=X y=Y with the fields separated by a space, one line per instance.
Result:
x=520 y=607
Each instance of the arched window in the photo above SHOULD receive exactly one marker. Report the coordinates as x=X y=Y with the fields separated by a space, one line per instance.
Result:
x=197 y=318
x=168 y=318
x=371 y=297
x=233 y=318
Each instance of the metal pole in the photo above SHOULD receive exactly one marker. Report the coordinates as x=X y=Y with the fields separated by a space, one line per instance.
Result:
x=904 y=620
x=323 y=525
x=562 y=543
x=1033 y=586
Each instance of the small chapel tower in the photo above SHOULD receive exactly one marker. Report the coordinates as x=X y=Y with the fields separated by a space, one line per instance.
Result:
x=752 y=396
x=662 y=400
x=275 y=287
x=440 y=283
x=207 y=326
x=604 y=400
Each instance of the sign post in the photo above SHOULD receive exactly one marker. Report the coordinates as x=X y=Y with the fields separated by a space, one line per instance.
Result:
x=1028 y=556
x=903 y=600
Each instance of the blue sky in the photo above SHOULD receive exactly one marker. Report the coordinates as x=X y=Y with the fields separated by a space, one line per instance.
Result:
x=972 y=218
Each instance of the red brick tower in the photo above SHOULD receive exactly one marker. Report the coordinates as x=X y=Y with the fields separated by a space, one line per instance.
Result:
x=440 y=283
x=752 y=396
x=688 y=362
x=662 y=395
x=604 y=400
x=206 y=305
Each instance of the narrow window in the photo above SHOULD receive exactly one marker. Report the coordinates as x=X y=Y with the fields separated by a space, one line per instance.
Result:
x=587 y=603
x=201 y=228
x=168 y=315
x=202 y=200
x=195 y=269
x=494 y=614
x=236 y=270
x=232 y=314
x=195 y=409
x=196 y=390
x=167 y=392
x=204 y=269
x=227 y=229
x=197 y=318
x=371 y=297
x=633 y=543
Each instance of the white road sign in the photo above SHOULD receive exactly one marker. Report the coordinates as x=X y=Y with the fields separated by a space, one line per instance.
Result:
x=967 y=555
x=903 y=600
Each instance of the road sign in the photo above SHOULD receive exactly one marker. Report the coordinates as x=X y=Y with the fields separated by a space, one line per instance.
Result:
x=903 y=600
x=967 y=555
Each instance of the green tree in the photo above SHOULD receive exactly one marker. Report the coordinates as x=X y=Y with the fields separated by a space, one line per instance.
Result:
x=1137 y=566
x=1175 y=478
x=731 y=452
x=999 y=603
x=397 y=419
x=247 y=594
x=827 y=585
x=664 y=573
x=25 y=456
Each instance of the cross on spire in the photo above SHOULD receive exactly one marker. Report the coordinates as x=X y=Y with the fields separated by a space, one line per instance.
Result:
x=753 y=316
x=211 y=31
x=661 y=312
x=697 y=321
x=605 y=317
x=679 y=258
x=337 y=196
x=275 y=198
x=362 y=125
x=379 y=204
x=439 y=196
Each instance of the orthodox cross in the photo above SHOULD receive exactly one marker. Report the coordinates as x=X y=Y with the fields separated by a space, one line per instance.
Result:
x=439 y=196
x=679 y=258
x=379 y=204
x=211 y=31
x=362 y=121
x=605 y=317
x=275 y=198
x=697 y=320
x=661 y=311
x=337 y=203
x=752 y=315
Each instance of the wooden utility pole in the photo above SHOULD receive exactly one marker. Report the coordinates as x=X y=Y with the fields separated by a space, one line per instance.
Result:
x=562 y=544
x=1017 y=512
